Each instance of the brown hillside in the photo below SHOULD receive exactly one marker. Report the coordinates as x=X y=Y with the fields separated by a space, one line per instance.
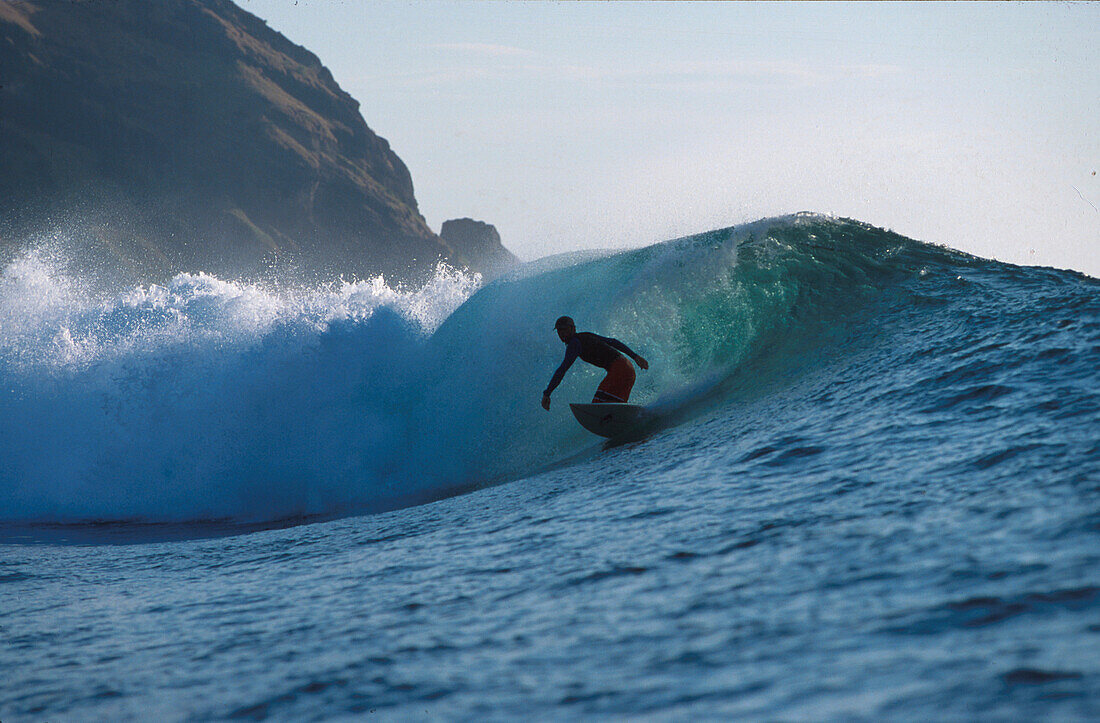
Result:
x=187 y=135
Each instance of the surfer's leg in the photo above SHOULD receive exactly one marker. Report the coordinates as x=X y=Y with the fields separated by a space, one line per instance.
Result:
x=616 y=386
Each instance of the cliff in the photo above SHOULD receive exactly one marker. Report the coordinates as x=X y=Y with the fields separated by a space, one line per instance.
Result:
x=184 y=135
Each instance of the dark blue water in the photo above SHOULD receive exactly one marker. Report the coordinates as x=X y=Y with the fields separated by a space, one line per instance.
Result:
x=873 y=492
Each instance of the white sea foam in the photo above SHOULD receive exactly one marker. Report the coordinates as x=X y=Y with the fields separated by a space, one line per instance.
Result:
x=202 y=398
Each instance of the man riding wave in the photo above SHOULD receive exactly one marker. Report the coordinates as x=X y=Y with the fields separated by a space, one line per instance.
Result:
x=600 y=351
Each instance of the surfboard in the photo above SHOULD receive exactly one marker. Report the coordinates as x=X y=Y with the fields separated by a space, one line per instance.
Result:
x=610 y=420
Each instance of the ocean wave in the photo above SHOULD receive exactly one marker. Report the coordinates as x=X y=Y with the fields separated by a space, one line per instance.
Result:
x=207 y=399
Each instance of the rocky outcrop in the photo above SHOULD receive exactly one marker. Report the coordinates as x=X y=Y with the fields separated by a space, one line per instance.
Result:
x=479 y=243
x=183 y=135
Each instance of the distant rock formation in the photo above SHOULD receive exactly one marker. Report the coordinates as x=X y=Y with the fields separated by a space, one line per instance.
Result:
x=183 y=135
x=479 y=243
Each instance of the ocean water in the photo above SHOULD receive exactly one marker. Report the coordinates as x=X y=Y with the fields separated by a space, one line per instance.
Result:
x=872 y=491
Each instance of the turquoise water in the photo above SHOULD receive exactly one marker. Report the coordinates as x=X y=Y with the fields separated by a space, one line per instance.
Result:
x=873 y=491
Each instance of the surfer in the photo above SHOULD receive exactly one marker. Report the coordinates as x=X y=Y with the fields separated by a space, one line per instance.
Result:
x=600 y=351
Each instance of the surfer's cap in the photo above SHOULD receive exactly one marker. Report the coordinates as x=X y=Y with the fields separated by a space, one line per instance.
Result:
x=564 y=322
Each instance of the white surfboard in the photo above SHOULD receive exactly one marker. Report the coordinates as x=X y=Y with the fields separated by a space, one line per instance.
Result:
x=611 y=420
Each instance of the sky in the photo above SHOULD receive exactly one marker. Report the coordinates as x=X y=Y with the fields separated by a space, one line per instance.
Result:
x=581 y=125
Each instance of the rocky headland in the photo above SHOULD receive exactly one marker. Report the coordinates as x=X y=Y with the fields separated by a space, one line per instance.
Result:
x=186 y=135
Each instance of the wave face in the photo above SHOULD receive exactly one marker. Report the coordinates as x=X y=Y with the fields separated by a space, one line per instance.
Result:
x=210 y=400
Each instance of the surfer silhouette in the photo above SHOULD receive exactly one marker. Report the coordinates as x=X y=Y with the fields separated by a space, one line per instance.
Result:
x=600 y=351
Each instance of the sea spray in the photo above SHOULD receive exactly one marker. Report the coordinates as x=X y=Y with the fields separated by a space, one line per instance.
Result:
x=200 y=399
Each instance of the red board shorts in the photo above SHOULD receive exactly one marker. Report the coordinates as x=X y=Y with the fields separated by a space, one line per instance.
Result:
x=616 y=386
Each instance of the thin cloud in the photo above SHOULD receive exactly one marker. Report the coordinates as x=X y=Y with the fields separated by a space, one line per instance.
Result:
x=506 y=62
x=702 y=75
x=487 y=49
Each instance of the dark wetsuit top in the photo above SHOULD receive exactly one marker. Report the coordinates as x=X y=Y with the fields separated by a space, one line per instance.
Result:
x=592 y=348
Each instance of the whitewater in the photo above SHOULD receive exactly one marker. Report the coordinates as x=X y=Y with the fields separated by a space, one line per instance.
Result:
x=873 y=490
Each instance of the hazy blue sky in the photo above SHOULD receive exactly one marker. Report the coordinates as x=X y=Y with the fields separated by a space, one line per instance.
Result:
x=599 y=125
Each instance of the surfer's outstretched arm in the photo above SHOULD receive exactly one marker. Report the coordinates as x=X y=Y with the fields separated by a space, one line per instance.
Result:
x=616 y=344
x=572 y=351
